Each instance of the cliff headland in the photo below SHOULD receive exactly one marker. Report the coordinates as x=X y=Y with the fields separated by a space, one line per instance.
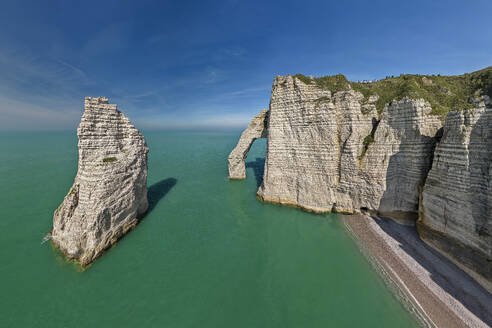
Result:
x=413 y=148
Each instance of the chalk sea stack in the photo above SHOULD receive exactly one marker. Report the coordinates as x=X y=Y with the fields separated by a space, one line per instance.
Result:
x=414 y=148
x=109 y=194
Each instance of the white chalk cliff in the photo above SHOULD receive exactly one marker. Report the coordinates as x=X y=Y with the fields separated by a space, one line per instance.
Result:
x=456 y=208
x=333 y=151
x=109 y=193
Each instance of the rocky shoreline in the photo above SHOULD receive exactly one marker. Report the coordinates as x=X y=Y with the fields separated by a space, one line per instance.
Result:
x=438 y=292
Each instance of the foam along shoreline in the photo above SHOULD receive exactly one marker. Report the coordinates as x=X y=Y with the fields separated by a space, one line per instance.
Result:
x=435 y=289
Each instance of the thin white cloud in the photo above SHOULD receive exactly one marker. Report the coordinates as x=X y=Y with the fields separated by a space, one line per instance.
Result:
x=77 y=70
x=245 y=92
x=19 y=115
x=157 y=38
x=24 y=73
x=110 y=38
x=39 y=92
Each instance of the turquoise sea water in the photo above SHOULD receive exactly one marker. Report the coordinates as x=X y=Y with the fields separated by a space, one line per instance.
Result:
x=208 y=254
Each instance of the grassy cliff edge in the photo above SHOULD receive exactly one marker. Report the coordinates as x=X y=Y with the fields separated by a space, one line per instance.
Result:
x=444 y=93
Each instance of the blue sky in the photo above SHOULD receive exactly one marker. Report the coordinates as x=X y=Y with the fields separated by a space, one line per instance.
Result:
x=182 y=64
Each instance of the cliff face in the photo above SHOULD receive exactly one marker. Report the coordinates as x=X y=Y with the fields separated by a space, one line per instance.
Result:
x=401 y=155
x=456 y=207
x=309 y=153
x=109 y=193
x=328 y=151
x=333 y=150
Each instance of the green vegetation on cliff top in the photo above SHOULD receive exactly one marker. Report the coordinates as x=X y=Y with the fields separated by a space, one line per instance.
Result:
x=444 y=93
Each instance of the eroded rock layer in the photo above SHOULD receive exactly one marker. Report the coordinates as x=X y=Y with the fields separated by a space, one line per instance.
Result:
x=330 y=151
x=109 y=193
x=456 y=207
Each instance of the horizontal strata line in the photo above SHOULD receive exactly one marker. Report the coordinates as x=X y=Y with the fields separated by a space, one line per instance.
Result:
x=450 y=188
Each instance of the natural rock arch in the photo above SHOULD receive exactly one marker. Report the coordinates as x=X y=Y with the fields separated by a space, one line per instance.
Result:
x=256 y=129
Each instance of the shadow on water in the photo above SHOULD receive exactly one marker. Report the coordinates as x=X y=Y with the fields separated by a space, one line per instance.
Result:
x=258 y=167
x=158 y=191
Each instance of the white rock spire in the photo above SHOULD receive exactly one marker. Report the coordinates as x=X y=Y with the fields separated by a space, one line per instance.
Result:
x=109 y=193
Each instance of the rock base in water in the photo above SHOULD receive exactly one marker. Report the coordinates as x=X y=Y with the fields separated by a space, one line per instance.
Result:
x=109 y=193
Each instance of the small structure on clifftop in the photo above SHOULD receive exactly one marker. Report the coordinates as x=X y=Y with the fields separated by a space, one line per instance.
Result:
x=109 y=193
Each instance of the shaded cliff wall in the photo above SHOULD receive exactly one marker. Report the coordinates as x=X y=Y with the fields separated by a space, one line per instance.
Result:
x=456 y=207
x=400 y=157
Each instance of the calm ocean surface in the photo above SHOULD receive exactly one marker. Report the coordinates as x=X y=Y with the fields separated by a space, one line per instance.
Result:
x=207 y=255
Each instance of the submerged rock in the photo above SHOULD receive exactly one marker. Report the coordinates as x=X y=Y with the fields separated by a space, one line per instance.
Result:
x=109 y=193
